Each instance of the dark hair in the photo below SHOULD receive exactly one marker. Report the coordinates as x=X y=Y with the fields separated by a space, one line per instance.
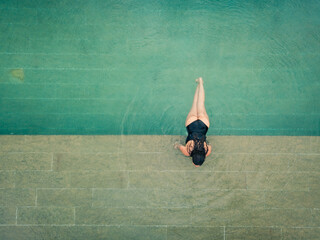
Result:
x=198 y=153
x=198 y=158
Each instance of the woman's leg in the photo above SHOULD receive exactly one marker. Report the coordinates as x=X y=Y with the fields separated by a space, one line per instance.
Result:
x=193 y=114
x=202 y=113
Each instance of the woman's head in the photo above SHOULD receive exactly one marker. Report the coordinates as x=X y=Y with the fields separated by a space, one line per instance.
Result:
x=199 y=152
x=198 y=158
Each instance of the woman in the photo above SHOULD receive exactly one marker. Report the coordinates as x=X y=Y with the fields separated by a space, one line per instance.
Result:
x=197 y=124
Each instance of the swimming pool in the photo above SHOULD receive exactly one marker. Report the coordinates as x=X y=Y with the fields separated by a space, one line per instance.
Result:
x=128 y=67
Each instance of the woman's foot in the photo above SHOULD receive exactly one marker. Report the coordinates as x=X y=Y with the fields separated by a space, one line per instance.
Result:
x=199 y=80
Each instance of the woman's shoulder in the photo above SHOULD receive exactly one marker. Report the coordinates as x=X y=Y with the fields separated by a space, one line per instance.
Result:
x=206 y=146
x=190 y=146
x=190 y=142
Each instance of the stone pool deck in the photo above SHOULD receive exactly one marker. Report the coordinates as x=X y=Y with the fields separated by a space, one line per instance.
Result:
x=140 y=187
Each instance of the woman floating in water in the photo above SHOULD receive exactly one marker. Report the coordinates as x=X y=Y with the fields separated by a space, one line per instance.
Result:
x=197 y=124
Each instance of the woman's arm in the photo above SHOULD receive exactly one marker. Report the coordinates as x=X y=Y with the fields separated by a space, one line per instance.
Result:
x=209 y=150
x=182 y=148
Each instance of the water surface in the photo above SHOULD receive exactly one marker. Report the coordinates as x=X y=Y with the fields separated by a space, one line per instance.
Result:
x=128 y=67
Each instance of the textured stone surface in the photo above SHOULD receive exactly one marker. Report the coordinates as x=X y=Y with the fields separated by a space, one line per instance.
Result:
x=25 y=161
x=8 y=215
x=7 y=179
x=17 y=197
x=83 y=232
x=300 y=233
x=64 y=197
x=45 y=215
x=55 y=189
x=190 y=233
x=265 y=233
x=290 y=181
x=134 y=216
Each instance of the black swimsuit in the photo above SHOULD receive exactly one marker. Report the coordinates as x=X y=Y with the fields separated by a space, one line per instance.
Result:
x=196 y=130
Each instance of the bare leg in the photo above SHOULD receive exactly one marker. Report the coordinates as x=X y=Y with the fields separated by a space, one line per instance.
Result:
x=202 y=113
x=193 y=114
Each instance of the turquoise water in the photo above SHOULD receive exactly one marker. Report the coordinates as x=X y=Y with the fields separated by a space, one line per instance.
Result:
x=128 y=67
